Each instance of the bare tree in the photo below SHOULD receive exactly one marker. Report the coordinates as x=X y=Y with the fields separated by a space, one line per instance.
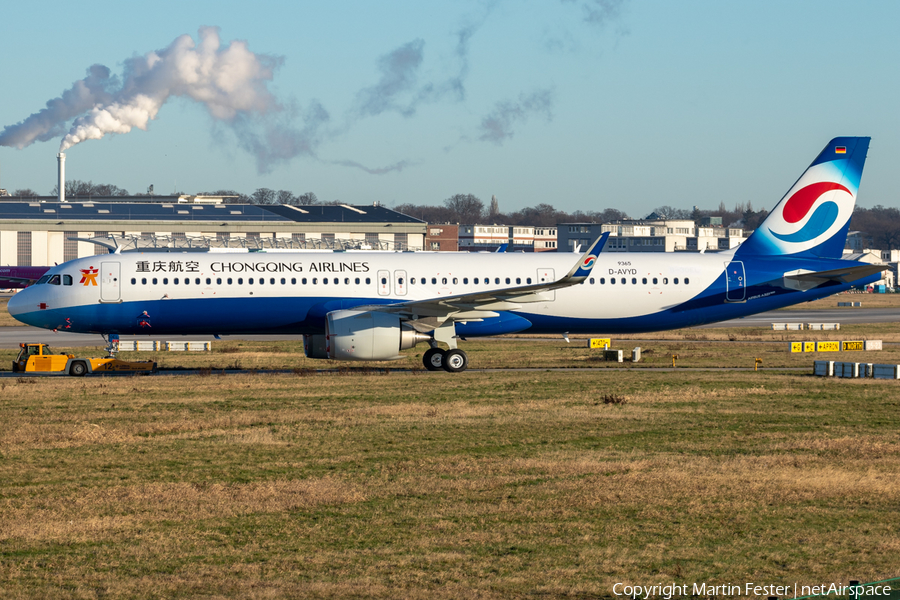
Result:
x=75 y=188
x=285 y=197
x=466 y=208
x=263 y=196
x=495 y=208
x=26 y=193
x=306 y=199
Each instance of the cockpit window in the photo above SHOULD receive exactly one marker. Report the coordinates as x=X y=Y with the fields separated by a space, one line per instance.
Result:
x=67 y=280
x=43 y=279
x=54 y=280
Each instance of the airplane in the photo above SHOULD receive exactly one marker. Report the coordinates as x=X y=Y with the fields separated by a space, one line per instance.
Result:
x=20 y=277
x=369 y=306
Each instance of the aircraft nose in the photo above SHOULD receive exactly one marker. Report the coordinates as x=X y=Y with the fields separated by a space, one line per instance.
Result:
x=18 y=304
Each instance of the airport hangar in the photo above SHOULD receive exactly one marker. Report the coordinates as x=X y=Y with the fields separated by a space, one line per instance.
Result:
x=44 y=231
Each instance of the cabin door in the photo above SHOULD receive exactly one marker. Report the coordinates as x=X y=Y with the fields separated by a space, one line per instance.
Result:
x=735 y=282
x=110 y=287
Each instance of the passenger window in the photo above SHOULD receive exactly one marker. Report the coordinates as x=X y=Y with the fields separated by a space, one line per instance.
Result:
x=412 y=280
x=612 y=280
x=315 y=280
x=634 y=280
x=165 y=281
x=336 y=281
x=262 y=281
x=133 y=281
x=644 y=281
x=623 y=281
x=272 y=281
x=368 y=280
x=507 y=281
x=400 y=280
x=67 y=280
x=383 y=280
x=455 y=281
x=303 y=281
x=686 y=281
x=208 y=281
x=465 y=281
x=250 y=281
x=434 y=281
x=155 y=281
x=528 y=281
x=655 y=281
x=324 y=281
x=475 y=281
x=592 y=281
x=518 y=280
x=229 y=281
x=602 y=280
x=347 y=281
x=175 y=282
x=283 y=281
x=197 y=281
x=240 y=281
x=675 y=281
x=143 y=281
x=665 y=280
x=293 y=281
x=357 y=281
x=218 y=281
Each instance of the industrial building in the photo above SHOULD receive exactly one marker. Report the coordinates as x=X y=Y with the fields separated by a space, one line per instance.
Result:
x=46 y=231
x=649 y=235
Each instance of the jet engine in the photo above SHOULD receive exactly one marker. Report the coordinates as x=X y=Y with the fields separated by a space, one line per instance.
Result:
x=368 y=335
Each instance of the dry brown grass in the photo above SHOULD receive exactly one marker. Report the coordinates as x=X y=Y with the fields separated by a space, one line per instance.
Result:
x=484 y=486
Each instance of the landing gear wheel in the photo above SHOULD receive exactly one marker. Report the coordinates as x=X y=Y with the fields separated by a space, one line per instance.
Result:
x=455 y=361
x=433 y=359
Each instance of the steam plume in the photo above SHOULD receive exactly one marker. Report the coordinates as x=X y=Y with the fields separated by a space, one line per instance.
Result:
x=497 y=126
x=230 y=81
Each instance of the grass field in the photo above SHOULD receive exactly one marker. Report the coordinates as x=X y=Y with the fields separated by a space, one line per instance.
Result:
x=382 y=480
x=549 y=484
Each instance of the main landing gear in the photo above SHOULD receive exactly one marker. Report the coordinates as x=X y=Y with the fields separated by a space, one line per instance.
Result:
x=453 y=361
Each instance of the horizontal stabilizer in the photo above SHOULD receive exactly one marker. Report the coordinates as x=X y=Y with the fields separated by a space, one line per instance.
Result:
x=806 y=280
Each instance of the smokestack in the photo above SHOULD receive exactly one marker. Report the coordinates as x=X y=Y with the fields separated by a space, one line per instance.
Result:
x=61 y=157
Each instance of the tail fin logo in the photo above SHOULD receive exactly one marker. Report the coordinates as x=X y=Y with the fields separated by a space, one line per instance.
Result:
x=589 y=262
x=799 y=206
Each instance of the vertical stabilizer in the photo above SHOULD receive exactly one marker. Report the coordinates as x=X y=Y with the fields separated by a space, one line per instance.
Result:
x=812 y=219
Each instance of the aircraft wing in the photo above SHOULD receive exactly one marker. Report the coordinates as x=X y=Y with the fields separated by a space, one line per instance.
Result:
x=807 y=280
x=475 y=306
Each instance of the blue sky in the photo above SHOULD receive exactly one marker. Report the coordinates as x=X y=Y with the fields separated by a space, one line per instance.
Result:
x=584 y=104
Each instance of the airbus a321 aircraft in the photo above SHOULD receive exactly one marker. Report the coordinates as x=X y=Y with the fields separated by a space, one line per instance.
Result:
x=372 y=305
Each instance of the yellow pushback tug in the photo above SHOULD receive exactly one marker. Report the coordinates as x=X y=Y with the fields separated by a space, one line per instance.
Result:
x=38 y=358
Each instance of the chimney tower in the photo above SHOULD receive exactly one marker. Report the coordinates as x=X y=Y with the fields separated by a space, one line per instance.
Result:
x=61 y=157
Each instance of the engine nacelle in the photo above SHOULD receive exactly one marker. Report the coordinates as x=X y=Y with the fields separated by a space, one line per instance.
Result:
x=368 y=335
x=314 y=346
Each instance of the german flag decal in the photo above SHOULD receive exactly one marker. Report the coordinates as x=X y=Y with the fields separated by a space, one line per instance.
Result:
x=840 y=149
